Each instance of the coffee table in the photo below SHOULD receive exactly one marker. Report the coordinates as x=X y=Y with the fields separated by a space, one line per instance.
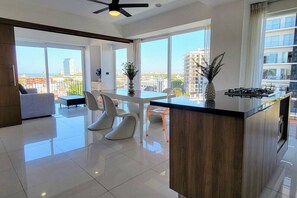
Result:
x=71 y=100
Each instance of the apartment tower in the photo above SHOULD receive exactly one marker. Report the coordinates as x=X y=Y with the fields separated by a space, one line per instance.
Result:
x=280 y=53
x=193 y=81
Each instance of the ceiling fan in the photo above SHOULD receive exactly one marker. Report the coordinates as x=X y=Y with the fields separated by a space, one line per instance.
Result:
x=115 y=8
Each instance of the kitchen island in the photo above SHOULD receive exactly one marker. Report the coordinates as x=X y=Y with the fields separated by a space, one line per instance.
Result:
x=226 y=148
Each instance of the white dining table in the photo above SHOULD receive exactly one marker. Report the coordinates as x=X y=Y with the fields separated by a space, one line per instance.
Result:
x=139 y=97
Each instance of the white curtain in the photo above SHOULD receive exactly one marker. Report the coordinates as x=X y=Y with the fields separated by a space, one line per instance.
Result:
x=137 y=62
x=207 y=42
x=255 y=53
x=207 y=34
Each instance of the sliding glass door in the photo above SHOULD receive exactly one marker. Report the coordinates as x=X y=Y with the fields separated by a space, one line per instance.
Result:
x=57 y=70
x=187 y=49
x=170 y=62
x=120 y=59
x=154 y=65
x=65 y=71
x=280 y=55
x=32 y=67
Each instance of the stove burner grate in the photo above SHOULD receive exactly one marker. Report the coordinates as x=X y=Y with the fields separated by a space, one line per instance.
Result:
x=250 y=92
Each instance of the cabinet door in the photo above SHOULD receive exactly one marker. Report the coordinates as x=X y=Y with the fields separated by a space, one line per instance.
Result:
x=270 y=142
x=10 y=113
x=253 y=155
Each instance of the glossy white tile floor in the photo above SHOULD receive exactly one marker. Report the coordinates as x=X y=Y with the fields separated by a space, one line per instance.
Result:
x=58 y=157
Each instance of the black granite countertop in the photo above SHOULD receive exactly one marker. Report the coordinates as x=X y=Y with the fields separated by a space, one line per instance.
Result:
x=223 y=104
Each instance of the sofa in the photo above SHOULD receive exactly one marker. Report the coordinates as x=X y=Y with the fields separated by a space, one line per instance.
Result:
x=34 y=105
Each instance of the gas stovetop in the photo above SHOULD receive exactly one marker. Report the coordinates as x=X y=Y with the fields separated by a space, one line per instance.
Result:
x=250 y=92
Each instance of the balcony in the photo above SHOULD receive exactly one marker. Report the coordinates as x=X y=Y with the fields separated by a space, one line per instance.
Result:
x=61 y=86
x=280 y=26
x=284 y=43
x=282 y=77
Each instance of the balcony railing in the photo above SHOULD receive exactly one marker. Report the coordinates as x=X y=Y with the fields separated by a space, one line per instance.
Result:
x=288 y=60
x=280 y=26
x=61 y=86
x=283 y=77
x=279 y=43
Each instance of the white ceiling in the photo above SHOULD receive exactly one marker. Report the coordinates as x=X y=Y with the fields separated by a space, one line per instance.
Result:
x=86 y=8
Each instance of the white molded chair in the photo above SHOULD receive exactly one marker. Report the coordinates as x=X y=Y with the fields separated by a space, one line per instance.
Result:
x=126 y=128
x=104 y=121
x=97 y=95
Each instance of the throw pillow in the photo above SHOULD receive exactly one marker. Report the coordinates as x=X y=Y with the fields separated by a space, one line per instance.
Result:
x=22 y=89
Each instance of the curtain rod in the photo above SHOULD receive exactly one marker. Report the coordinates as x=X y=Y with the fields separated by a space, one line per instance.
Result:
x=269 y=1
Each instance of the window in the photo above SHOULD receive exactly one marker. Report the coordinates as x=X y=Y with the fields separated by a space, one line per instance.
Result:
x=168 y=62
x=272 y=58
x=185 y=49
x=65 y=71
x=288 y=39
x=290 y=21
x=121 y=58
x=154 y=64
x=280 y=70
x=272 y=41
x=49 y=69
x=269 y=74
x=273 y=24
x=31 y=67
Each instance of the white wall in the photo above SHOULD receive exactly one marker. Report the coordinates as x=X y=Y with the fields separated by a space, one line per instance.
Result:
x=226 y=36
x=284 y=5
x=95 y=61
x=228 y=33
x=108 y=66
x=178 y=17
x=26 y=11
x=28 y=35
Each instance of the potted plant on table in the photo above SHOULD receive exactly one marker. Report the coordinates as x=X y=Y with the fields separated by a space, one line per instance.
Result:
x=209 y=71
x=130 y=71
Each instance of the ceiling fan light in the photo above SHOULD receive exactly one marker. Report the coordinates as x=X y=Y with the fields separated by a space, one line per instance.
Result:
x=114 y=13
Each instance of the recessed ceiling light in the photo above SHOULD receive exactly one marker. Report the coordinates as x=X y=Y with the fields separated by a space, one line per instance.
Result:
x=158 y=5
x=43 y=194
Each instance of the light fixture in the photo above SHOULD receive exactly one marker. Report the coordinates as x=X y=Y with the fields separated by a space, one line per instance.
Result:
x=43 y=194
x=114 y=10
x=114 y=13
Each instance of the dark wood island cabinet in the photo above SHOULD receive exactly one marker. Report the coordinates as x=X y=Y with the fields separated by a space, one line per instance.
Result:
x=227 y=148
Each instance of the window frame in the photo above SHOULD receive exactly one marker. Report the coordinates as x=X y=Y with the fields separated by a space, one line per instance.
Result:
x=45 y=46
x=169 y=47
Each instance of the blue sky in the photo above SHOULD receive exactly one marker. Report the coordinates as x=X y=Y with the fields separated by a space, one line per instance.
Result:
x=153 y=55
x=31 y=60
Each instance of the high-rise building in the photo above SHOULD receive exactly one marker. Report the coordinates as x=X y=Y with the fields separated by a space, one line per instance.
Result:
x=193 y=81
x=280 y=53
x=69 y=68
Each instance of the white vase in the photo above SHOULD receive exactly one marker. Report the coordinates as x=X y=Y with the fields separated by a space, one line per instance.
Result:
x=131 y=87
x=210 y=92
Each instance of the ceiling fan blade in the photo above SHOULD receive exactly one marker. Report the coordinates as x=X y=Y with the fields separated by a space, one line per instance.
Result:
x=99 y=2
x=124 y=12
x=115 y=1
x=134 y=5
x=102 y=10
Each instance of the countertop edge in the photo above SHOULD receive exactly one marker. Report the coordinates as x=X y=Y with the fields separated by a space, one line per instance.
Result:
x=238 y=114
